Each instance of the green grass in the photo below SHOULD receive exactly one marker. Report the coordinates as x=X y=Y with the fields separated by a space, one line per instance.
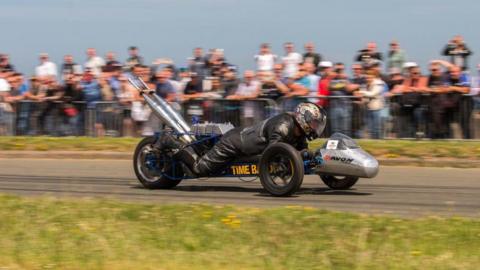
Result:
x=45 y=233
x=381 y=148
x=68 y=144
x=419 y=149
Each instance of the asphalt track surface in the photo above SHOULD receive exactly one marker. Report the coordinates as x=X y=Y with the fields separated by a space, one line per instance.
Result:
x=404 y=191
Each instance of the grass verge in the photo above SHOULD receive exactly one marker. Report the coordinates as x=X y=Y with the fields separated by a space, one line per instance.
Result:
x=41 y=233
x=381 y=148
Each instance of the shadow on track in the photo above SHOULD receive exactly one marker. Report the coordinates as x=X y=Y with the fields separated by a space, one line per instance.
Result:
x=262 y=192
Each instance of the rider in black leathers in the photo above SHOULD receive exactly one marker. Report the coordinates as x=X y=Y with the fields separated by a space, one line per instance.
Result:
x=307 y=122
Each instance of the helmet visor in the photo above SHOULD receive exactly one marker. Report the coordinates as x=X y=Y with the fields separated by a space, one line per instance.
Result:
x=318 y=126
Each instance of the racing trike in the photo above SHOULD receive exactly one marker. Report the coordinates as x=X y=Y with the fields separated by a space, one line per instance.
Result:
x=340 y=162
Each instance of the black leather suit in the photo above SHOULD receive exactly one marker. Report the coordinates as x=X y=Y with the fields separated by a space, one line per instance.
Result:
x=252 y=140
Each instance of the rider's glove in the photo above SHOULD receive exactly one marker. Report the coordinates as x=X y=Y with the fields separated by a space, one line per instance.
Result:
x=306 y=154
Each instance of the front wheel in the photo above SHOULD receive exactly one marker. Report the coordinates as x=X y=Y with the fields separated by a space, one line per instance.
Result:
x=281 y=169
x=154 y=168
x=339 y=182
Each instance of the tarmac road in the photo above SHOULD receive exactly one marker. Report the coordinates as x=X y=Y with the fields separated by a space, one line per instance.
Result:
x=404 y=191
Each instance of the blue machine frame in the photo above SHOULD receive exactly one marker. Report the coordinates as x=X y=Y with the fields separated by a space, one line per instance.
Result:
x=247 y=167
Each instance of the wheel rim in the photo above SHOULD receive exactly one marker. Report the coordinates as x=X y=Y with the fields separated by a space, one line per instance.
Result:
x=149 y=164
x=281 y=170
x=339 y=182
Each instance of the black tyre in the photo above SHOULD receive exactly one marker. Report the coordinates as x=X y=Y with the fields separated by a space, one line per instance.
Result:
x=339 y=182
x=154 y=168
x=281 y=169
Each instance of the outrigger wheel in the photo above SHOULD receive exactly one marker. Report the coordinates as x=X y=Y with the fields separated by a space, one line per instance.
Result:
x=339 y=182
x=155 y=168
x=281 y=169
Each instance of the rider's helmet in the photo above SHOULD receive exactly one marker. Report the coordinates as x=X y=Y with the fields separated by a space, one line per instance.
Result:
x=311 y=118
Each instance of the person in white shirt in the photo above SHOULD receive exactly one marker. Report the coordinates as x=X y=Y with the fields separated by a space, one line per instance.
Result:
x=46 y=67
x=265 y=59
x=291 y=60
x=6 y=110
x=94 y=62
x=248 y=89
x=4 y=85
x=373 y=93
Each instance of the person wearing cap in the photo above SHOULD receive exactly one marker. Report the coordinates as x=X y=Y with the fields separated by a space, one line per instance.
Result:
x=193 y=88
x=324 y=66
x=395 y=79
x=396 y=56
x=376 y=66
x=327 y=74
x=46 y=67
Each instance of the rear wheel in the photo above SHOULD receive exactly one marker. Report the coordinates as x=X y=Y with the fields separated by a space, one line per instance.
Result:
x=155 y=168
x=339 y=182
x=281 y=169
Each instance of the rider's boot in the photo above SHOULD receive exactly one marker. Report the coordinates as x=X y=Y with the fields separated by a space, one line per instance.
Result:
x=189 y=158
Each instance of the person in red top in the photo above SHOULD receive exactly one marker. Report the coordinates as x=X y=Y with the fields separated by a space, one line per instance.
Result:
x=327 y=74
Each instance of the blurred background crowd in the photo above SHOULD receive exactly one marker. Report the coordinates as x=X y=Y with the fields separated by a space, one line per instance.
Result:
x=380 y=95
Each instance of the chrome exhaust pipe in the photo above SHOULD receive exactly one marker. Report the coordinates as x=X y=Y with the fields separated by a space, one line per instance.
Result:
x=165 y=112
x=165 y=117
x=174 y=114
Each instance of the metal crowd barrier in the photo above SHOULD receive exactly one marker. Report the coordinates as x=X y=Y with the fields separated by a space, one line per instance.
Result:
x=39 y=118
x=237 y=112
x=58 y=118
x=104 y=118
x=426 y=117
x=397 y=120
x=7 y=120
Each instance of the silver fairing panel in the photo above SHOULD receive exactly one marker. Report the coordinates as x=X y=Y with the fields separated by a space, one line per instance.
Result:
x=347 y=161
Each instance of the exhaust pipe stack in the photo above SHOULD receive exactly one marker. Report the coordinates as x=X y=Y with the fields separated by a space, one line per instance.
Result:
x=164 y=111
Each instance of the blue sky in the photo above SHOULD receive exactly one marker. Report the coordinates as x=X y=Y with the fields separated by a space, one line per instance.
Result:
x=171 y=28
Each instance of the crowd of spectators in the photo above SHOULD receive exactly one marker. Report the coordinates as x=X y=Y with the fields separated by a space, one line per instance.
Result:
x=359 y=99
